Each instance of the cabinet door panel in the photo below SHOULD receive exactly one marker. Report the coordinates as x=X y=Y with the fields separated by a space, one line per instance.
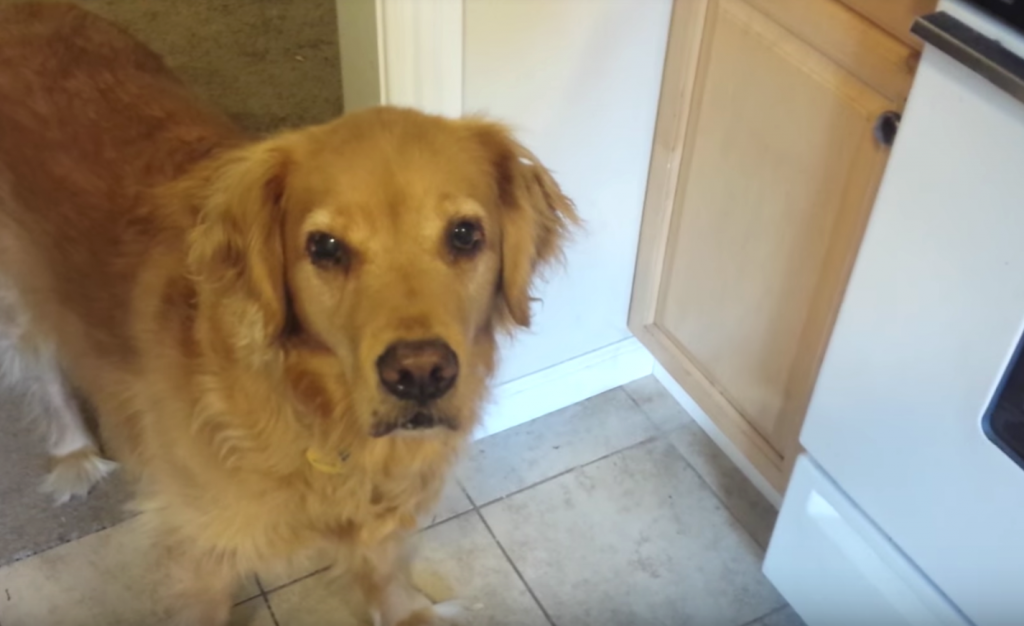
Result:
x=778 y=173
x=895 y=16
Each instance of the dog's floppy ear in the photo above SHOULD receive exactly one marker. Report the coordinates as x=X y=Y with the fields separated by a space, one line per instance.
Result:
x=236 y=253
x=535 y=216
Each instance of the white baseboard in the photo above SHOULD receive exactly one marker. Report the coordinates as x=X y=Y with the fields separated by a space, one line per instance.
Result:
x=565 y=384
x=730 y=450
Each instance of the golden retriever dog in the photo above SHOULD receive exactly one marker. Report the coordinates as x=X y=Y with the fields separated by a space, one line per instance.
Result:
x=286 y=340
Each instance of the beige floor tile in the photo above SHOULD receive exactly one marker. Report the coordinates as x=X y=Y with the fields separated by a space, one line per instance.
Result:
x=522 y=456
x=106 y=578
x=636 y=538
x=320 y=600
x=785 y=616
x=455 y=559
x=657 y=403
x=459 y=559
x=453 y=502
x=738 y=494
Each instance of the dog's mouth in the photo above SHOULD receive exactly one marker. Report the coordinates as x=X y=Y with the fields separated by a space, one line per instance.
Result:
x=418 y=420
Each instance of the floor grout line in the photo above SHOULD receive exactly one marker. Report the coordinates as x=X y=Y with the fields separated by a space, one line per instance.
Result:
x=636 y=403
x=465 y=492
x=515 y=568
x=291 y=582
x=754 y=621
x=267 y=591
x=567 y=471
x=266 y=603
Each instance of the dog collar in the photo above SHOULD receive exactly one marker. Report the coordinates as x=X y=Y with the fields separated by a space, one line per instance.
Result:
x=327 y=463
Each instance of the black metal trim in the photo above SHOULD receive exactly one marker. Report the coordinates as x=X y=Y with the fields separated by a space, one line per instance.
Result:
x=983 y=55
x=991 y=430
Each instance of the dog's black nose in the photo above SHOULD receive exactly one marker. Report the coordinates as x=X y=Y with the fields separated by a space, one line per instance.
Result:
x=418 y=370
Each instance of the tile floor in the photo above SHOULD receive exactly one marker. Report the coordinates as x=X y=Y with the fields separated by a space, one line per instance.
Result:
x=618 y=510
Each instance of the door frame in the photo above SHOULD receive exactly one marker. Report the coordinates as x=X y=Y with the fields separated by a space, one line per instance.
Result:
x=405 y=53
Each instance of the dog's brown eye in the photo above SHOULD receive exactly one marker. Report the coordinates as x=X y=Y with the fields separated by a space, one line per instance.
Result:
x=466 y=237
x=326 y=250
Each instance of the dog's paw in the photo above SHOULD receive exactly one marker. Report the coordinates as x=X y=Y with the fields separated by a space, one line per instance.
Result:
x=74 y=474
x=450 y=613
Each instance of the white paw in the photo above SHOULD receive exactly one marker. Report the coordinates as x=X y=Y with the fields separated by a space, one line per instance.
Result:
x=74 y=474
x=450 y=613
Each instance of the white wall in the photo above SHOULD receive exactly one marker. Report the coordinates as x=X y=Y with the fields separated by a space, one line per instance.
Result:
x=579 y=80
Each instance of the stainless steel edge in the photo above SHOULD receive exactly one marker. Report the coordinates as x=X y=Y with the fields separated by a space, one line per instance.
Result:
x=985 y=56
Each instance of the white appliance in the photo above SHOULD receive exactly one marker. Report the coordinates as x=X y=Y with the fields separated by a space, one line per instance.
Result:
x=903 y=510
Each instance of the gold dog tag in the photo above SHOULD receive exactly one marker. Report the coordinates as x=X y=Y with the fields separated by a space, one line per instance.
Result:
x=327 y=463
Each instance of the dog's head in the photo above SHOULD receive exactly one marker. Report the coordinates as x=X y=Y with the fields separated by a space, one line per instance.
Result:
x=372 y=261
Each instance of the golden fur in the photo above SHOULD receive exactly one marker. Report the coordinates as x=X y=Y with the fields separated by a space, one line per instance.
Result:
x=160 y=255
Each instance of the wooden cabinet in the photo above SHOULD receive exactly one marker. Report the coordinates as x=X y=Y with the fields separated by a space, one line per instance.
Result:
x=894 y=16
x=763 y=175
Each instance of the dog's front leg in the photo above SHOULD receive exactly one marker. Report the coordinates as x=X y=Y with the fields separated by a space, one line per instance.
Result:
x=385 y=579
x=201 y=587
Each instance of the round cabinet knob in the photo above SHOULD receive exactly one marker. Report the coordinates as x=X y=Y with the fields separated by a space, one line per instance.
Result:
x=886 y=126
